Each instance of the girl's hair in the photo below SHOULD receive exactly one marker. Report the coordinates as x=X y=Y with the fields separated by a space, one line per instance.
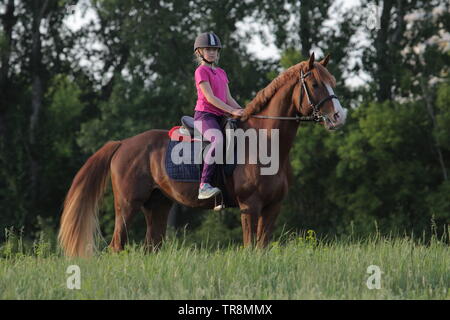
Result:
x=198 y=60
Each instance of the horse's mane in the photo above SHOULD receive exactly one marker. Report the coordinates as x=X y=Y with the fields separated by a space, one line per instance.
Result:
x=320 y=73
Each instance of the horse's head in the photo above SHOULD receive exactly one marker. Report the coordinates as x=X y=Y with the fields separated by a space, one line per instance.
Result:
x=315 y=94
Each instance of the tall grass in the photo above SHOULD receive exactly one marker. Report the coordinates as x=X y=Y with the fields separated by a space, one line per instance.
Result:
x=293 y=267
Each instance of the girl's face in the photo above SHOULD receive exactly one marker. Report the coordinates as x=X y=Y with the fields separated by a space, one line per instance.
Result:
x=210 y=53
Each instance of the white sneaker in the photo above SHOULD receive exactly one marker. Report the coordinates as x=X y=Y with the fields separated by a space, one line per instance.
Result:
x=207 y=191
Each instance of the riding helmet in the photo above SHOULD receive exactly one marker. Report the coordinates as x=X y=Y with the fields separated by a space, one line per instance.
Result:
x=207 y=39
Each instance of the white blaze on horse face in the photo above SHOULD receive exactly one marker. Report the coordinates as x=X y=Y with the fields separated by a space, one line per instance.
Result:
x=340 y=114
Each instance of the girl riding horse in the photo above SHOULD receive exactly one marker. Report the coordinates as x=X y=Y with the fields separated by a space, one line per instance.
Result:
x=213 y=102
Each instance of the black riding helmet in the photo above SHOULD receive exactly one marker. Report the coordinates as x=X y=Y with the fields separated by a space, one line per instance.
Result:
x=207 y=40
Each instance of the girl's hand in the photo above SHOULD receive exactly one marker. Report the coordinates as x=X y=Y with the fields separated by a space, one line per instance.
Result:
x=237 y=112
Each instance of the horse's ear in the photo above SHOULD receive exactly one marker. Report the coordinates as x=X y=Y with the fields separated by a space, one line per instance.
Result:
x=311 y=61
x=325 y=60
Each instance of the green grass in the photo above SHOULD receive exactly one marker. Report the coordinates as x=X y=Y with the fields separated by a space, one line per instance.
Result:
x=300 y=268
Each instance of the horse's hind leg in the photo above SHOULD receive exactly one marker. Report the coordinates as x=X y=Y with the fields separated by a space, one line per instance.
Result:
x=127 y=201
x=124 y=214
x=156 y=211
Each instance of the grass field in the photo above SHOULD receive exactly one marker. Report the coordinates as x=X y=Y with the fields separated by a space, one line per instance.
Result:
x=301 y=268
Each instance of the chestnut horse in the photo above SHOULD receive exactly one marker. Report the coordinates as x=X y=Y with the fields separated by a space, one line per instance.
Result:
x=139 y=179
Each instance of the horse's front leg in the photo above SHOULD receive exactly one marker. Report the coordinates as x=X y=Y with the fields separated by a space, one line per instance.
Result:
x=249 y=224
x=250 y=211
x=266 y=223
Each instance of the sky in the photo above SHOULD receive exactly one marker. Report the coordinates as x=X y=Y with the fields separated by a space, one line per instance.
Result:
x=260 y=50
x=79 y=17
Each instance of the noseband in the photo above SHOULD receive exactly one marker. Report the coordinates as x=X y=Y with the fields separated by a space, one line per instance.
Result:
x=316 y=114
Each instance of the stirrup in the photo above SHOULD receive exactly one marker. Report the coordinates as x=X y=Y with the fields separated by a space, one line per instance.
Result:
x=219 y=207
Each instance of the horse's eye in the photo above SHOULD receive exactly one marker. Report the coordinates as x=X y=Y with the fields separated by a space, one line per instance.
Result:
x=315 y=85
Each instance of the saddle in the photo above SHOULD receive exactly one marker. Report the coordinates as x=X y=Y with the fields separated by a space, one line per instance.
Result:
x=187 y=126
x=186 y=133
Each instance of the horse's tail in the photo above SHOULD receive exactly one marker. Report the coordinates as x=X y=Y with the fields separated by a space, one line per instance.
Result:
x=79 y=220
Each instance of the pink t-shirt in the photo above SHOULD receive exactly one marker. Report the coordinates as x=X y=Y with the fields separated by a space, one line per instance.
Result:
x=218 y=80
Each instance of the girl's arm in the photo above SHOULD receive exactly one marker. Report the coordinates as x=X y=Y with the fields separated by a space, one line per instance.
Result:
x=231 y=100
x=209 y=95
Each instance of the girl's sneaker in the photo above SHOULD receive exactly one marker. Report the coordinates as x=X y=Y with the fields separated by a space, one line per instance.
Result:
x=207 y=191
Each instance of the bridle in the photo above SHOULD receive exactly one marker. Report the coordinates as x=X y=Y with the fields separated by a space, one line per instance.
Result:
x=316 y=114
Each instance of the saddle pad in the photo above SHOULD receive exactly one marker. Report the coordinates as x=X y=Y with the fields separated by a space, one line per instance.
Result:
x=182 y=172
x=192 y=172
